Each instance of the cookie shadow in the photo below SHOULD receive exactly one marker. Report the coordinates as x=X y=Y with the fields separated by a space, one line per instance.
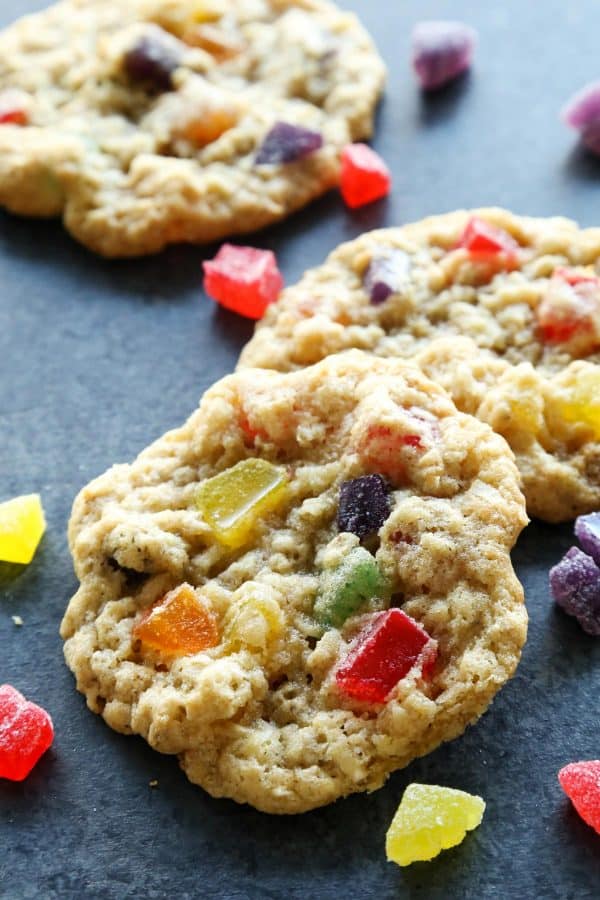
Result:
x=582 y=165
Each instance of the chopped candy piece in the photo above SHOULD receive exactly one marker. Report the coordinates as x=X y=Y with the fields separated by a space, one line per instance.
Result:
x=364 y=176
x=569 y=310
x=582 y=112
x=587 y=531
x=575 y=586
x=343 y=590
x=387 y=275
x=152 y=61
x=14 y=107
x=22 y=526
x=233 y=502
x=581 y=783
x=575 y=276
x=212 y=40
x=26 y=732
x=485 y=241
x=384 y=653
x=581 y=402
x=287 y=143
x=441 y=51
x=256 y=624
x=210 y=125
x=364 y=505
x=243 y=279
x=178 y=624
x=385 y=448
x=431 y=819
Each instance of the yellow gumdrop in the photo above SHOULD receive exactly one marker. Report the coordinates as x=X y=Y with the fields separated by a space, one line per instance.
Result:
x=580 y=401
x=431 y=819
x=22 y=525
x=255 y=624
x=233 y=502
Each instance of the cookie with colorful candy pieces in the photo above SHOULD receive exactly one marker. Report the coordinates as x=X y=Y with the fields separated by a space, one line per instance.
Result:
x=525 y=291
x=305 y=586
x=152 y=122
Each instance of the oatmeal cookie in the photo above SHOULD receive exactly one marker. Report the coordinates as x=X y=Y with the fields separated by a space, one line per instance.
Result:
x=304 y=587
x=525 y=291
x=155 y=121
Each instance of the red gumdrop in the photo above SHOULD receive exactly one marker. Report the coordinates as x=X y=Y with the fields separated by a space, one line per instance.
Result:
x=486 y=241
x=385 y=652
x=243 y=279
x=13 y=107
x=26 y=732
x=364 y=176
x=581 y=783
x=573 y=277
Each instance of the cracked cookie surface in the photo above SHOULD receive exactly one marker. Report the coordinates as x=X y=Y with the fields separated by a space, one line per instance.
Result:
x=259 y=715
x=532 y=313
x=140 y=123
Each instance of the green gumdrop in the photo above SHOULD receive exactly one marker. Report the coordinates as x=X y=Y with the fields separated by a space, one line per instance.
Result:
x=344 y=589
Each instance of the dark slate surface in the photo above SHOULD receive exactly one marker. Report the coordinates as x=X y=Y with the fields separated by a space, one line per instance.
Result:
x=97 y=359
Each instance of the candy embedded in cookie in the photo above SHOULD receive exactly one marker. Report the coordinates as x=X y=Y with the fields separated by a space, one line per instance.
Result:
x=502 y=310
x=265 y=595
x=187 y=122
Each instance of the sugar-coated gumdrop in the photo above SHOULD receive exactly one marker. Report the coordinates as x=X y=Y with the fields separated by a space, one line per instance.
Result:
x=587 y=532
x=431 y=819
x=207 y=127
x=234 y=501
x=344 y=589
x=26 y=732
x=582 y=112
x=384 y=653
x=580 y=402
x=22 y=526
x=364 y=505
x=386 y=449
x=178 y=624
x=387 y=275
x=581 y=783
x=441 y=51
x=255 y=624
x=486 y=242
x=14 y=107
x=364 y=176
x=152 y=60
x=243 y=279
x=569 y=309
x=575 y=586
x=286 y=143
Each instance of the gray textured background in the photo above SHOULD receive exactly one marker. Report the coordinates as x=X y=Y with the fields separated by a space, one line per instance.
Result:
x=97 y=359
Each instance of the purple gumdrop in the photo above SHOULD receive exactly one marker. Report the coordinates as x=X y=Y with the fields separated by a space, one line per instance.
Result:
x=441 y=51
x=364 y=505
x=583 y=108
x=386 y=275
x=286 y=143
x=575 y=586
x=587 y=531
x=152 y=60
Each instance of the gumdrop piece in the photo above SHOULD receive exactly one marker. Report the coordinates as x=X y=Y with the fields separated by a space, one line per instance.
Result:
x=384 y=653
x=581 y=783
x=575 y=587
x=486 y=242
x=387 y=275
x=209 y=126
x=255 y=624
x=178 y=624
x=152 y=60
x=580 y=403
x=364 y=505
x=587 y=532
x=582 y=112
x=26 y=732
x=344 y=589
x=431 y=819
x=441 y=51
x=22 y=526
x=14 y=107
x=286 y=143
x=212 y=40
x=234 y=501
x=385 y=449
x=364 y=176
x=569 y=308
x=575 y=276
x=243 y=279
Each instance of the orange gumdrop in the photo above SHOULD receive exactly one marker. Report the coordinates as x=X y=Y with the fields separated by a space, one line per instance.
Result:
x=178 y=624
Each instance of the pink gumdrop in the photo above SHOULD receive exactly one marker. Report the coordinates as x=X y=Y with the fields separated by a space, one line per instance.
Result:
x=441 y=50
